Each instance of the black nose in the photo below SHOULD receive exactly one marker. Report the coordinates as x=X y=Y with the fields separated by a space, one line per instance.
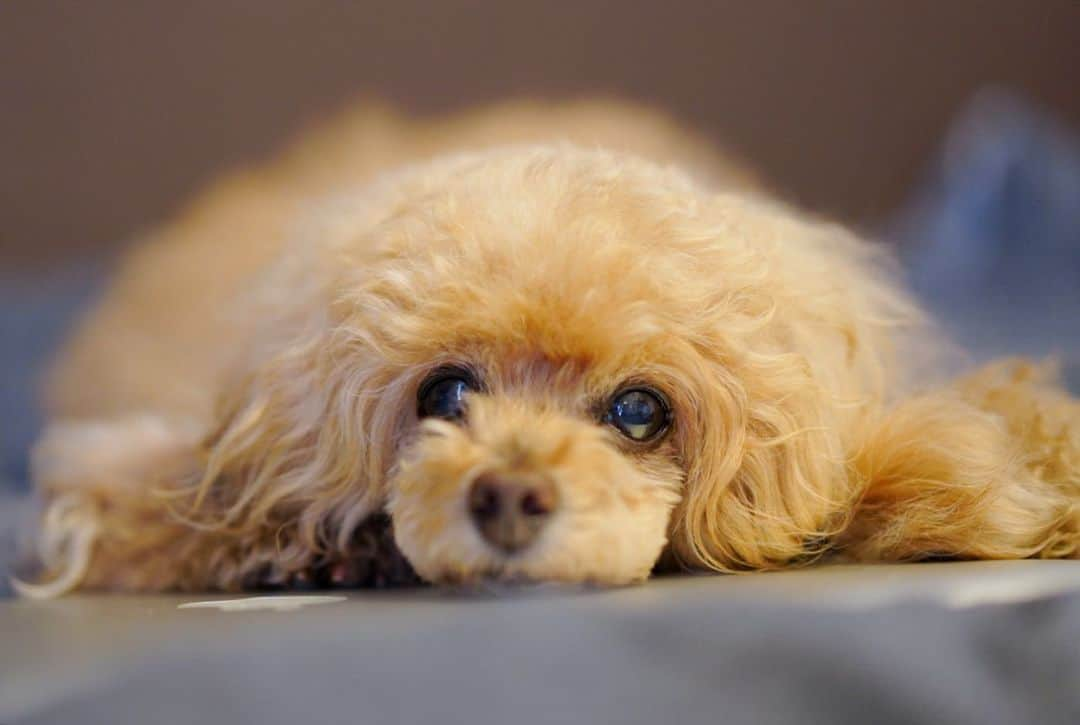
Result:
x=510 y=510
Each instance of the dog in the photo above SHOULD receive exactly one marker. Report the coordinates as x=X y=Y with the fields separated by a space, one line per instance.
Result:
x=545 y=342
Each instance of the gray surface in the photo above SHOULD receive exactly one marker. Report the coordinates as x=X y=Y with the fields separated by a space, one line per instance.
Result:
x=889 y=644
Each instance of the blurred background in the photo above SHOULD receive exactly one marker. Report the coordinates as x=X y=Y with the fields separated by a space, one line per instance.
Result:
x=113 y=111
x=946 y=126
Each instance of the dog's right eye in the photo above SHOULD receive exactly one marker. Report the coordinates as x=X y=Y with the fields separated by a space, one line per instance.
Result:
x=443 y=395
x=640 y=414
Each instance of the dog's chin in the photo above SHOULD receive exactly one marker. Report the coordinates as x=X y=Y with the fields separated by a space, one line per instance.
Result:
x=498 y=583
x=606 y=543
x=497 y=578
x=566 y=554
x=501 y=578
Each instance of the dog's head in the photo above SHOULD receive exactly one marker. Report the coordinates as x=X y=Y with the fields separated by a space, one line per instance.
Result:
x=549 y=363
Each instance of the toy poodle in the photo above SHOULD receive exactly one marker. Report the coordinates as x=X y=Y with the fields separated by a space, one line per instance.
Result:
x=569 y=342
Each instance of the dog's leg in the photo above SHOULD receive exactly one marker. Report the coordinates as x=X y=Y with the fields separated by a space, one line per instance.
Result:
x=143 y=503
x=107 y=521
x=125 y=509
x=989 y=470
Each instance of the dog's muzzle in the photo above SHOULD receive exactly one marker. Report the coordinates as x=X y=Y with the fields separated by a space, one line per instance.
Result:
x=510 y=510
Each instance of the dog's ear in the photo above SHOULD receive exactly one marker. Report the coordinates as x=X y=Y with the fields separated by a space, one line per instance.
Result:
x=800 y=347
x=289 y=464
x=147 y=503
x=296 y=444
x=766 y=482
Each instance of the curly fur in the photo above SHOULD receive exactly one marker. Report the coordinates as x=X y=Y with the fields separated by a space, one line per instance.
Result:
x=242 y=400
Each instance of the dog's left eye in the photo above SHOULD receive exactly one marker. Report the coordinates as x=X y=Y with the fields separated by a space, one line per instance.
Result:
x=443 y=395
x=638 y=413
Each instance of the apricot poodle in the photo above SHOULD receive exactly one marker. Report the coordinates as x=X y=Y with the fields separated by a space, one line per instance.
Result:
x=534 y=342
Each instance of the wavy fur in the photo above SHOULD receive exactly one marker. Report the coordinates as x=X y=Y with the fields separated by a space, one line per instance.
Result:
x=243 y=398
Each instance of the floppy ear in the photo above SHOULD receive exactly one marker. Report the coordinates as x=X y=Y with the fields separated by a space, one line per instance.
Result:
x=799 y=350
x=288 y=472
x=299 y=450
x=767 y=485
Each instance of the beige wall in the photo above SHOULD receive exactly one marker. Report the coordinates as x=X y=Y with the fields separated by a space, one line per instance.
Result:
x=111 y=111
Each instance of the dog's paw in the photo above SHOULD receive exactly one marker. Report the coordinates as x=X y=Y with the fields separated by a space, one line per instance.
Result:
x=373 y=561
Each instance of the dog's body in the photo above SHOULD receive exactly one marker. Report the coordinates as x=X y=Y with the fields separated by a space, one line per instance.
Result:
x=655 y=359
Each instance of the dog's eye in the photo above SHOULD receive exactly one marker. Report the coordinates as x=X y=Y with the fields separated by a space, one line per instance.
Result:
x=443 y=395
x=638 y=413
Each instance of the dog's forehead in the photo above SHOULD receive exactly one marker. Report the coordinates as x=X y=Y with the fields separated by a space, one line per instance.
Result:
x=529 y=333
x=572 y=267
x=571 y=295
x=521 y=210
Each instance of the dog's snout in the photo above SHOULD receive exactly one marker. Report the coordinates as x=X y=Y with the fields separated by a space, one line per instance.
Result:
x=511 y=510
